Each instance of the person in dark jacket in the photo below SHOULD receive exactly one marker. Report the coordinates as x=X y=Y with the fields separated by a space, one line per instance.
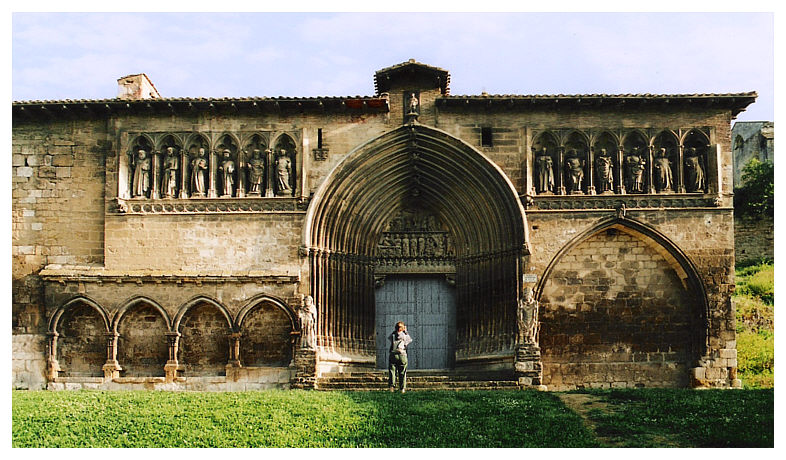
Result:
x=397 y=358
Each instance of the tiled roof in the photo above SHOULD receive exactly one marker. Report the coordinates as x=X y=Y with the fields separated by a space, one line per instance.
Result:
x=193 y=99
x=382 y=77
x=604 y=96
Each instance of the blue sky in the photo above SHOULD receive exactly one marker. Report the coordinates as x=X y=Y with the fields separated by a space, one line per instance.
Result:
x=76 y=56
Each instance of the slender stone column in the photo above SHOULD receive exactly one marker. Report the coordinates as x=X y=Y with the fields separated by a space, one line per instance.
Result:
x=561 y=169
x=172 y=366
x=591 y=170
x=620 y=170
x=112 y=367
x=681 y=169
x=211 y=191
x=183 y=174
x=156 y=192
x=270 y=173
x=650 y=176
x=53 y=367
x=241 y=174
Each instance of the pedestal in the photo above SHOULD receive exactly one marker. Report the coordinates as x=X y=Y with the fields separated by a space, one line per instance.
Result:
x=305 y=362
x=528 y=367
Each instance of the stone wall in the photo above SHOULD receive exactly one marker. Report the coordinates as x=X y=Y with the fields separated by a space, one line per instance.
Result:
x=209 y=267
x=615 y=313
x=142 y=343
x=754 y=239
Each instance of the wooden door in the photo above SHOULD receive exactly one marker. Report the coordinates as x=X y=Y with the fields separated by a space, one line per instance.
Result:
x=427 y=305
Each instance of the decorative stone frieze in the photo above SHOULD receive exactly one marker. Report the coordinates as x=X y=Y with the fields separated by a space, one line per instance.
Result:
x=209 y=206
x=612 y=202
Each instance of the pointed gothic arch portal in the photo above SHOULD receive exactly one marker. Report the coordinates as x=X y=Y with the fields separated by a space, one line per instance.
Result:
x=416 y=167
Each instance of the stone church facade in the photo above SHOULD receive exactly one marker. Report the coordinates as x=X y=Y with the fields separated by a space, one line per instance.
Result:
x=564 y=241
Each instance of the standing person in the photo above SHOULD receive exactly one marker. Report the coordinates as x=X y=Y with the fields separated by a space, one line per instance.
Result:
x=397 y=358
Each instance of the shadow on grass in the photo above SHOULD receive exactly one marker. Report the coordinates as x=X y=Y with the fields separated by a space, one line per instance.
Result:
x=294 y=419
x=686 y=418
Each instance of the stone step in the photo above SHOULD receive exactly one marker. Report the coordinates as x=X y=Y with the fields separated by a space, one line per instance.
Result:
x=369 y=385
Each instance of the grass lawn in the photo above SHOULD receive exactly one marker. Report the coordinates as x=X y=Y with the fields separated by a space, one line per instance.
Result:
x=686 y=418
x=381 y=419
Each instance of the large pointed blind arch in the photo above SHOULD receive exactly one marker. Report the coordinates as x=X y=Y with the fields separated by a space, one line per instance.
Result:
x=419 y=165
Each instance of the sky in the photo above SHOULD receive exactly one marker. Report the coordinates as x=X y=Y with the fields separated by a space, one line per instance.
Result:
x=81 y=55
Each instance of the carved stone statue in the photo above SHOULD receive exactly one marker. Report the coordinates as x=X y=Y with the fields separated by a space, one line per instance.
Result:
x=283 y=172
x=171 y=166
x=634 y=172
x=413 y=104
x=198 y=168
x=574 y=167
x=141 y=181
x=694 y=174
x=227 y=169
x=527 y=318
x=661 y=166
x=308 y=323
x=604 y=172
x=544 y=172
x=256 y=173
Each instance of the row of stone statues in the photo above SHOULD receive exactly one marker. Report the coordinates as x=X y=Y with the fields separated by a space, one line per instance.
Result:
x=634 y=167
x=246 y=177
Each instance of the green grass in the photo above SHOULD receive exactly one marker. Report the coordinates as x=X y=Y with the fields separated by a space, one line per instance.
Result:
x=755 y=303
x=294 y=419
x=687 y=418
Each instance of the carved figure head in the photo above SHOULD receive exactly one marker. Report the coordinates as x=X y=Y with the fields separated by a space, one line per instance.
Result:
x=201 y=152
x=170 y=151
x=142 y=154
x=307 y=300
x=227 y=153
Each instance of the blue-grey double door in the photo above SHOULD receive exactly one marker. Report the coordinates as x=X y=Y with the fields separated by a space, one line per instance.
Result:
x=427 y=304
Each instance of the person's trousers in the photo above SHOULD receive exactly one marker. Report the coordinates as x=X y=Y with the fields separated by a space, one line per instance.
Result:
x=397 y=370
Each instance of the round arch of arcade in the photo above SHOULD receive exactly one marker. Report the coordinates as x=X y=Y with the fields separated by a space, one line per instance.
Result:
x=421 y=167
x=141 y=337
x=621 y=303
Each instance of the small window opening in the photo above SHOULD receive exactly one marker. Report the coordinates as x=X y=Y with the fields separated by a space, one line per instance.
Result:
x=485 y=137
x=319 y=138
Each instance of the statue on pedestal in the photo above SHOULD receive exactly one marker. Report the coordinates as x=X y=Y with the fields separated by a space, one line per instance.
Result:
x=544 y=173
x=198 y=168
x=634 y=172
x=171 y=166
x=604 y=172
x=694 y=180
x=141 y=182
x=256 y=173
x=574 y=167
x=227 y=169
x=527 y=319
x=308 y=323
x=283 y=171
x=663 y=176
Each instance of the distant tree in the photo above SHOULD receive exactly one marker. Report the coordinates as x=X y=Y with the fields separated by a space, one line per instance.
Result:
x=756 y=196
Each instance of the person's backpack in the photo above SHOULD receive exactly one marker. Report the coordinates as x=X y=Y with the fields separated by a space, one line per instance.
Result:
x=397 y=344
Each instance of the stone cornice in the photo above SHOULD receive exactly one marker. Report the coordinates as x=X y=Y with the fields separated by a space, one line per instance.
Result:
x=64 y=274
